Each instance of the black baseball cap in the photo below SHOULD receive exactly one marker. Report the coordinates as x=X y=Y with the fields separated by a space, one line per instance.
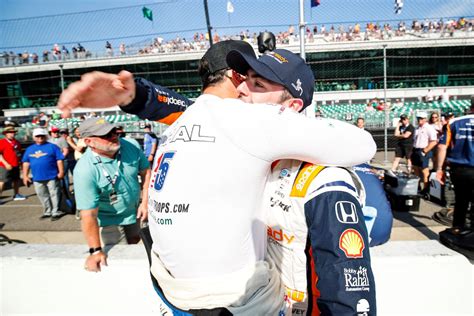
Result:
x=216 y=55
x=280 y=66
x=403 y=116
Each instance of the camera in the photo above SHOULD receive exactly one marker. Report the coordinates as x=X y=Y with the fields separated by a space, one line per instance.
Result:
x=266 y=42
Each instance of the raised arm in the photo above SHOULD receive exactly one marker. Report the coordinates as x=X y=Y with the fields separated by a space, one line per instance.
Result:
x=134 y=95
x=98 y=90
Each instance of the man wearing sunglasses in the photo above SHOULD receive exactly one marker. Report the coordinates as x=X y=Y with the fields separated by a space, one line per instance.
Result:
x=107 y=189
x=221 y=211
x=46 y=163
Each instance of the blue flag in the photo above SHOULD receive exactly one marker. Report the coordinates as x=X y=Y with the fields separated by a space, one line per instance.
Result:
x=315 y=3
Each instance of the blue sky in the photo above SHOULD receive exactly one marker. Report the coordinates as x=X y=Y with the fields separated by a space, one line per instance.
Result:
x=33 y=24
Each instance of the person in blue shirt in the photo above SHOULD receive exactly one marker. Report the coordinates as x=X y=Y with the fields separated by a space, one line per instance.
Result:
x=456 y=145
x=149 y=143
x=46 y=163
x=107 y=190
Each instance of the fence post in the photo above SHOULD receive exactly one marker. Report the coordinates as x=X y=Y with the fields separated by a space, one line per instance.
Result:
x=302 y=31
x=208 y=22
x=385 y=102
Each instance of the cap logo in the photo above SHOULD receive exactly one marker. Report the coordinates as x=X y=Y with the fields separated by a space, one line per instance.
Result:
x=100 y=121
x=279 y=58
x=298 y=86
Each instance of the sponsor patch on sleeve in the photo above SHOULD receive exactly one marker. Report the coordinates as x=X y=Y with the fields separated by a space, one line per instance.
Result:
x=352 y=243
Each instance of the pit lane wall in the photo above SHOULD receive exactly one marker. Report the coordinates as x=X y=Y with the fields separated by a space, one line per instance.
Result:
x=413 y=278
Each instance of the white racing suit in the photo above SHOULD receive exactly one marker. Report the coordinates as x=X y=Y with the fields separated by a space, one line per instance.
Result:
x=317 y=210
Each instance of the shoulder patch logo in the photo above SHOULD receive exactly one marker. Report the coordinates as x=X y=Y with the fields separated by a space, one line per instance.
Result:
x=304 y=178
x=352 y=243
x=346 y=212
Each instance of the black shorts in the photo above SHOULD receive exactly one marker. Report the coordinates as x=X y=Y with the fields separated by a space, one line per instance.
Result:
x=403 y=151
x=418 y=159
x=13 y=174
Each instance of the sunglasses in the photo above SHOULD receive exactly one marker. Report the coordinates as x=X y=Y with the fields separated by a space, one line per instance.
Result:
x=236 y=78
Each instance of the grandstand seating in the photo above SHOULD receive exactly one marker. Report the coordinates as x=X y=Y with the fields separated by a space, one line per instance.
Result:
x=350 y=112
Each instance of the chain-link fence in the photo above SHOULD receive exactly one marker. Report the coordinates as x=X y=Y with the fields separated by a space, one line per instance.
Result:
x=172 y=25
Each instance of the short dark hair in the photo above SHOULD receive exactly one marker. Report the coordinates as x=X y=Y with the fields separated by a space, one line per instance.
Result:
x=209 y=78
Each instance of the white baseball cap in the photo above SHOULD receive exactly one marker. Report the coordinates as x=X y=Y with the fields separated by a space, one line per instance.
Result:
x=39 y=132
x=422 y=115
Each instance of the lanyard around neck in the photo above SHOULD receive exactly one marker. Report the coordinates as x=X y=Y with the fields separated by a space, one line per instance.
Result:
x=111 y=180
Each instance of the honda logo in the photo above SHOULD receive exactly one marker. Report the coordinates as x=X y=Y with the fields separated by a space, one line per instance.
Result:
x=346 y=212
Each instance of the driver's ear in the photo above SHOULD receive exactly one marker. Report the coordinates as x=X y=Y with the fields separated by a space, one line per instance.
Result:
x=296 y=104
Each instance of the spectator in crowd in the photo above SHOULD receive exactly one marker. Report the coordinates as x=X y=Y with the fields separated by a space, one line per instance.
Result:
x=61 y=142
x=149 y=143
x=34 y=58
x=424 y=141
x=56 y=52
x=45 y=56
x=43 y=120
x=217 y=88
x=69 y=161
x=77 y=144
x=55 y=138
x=121 y=133
x=108 y=49
x=10 y=150
x=46 y=163
x=445 y=96
x=6 y=58
x=65 y=52
x=107 y=190
x=122 y=49
x=360 y=123
x=445 y=118
x=404 y=132
x=457 y=147
x=318 y=113
x=435 y=122
x=430 y=96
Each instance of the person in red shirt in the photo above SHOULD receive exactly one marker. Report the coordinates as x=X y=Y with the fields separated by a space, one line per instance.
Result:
x=10 y=150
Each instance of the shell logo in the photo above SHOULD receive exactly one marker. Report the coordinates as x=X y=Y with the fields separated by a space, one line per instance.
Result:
x=352 y=243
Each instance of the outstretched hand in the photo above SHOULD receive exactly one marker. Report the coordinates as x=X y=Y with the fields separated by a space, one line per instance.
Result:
x=98 y=90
